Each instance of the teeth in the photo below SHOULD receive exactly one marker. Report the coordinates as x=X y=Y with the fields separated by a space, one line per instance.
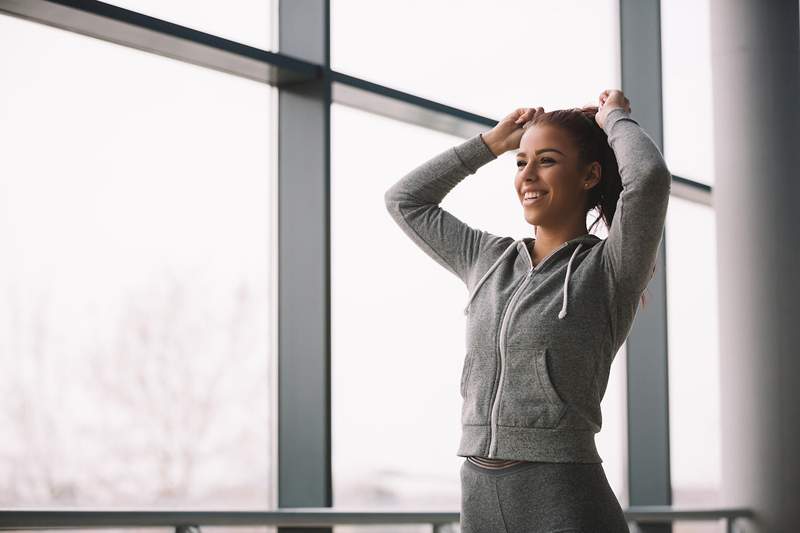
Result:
x=532 y=195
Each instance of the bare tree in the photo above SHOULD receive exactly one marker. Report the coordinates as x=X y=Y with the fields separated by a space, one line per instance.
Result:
x=177 y=397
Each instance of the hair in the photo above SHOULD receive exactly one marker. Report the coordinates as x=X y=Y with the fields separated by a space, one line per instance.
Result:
x=592 y=142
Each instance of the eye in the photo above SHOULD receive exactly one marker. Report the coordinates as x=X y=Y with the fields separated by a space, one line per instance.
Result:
x=542 y=160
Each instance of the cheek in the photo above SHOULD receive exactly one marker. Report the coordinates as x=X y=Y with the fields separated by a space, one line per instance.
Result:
x=562 y=182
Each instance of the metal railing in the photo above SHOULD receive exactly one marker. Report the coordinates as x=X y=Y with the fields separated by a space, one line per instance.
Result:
x=191 y=521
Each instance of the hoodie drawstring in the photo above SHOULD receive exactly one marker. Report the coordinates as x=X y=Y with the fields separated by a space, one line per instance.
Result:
x=488 y=272
x=563 y=312
x=511 y=246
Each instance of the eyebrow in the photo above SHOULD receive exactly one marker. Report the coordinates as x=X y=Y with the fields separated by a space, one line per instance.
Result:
x=541 y=151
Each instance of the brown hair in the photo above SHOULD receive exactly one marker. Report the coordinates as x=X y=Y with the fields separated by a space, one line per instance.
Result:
x=592 y=142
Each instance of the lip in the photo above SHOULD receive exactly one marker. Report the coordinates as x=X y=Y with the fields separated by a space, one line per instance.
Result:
x=531 y=201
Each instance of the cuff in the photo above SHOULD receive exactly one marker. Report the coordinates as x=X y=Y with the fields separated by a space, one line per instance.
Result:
x=615 y=115
x=474 y=153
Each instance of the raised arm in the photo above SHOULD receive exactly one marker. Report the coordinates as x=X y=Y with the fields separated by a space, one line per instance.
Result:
x=633 y=240
x=413 y=202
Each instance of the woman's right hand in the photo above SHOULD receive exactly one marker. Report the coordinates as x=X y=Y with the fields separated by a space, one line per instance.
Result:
x=506 y=135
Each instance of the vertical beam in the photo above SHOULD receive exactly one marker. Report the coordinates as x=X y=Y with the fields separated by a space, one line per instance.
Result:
x=755 y=64
x=304 y=391
x=648 y=392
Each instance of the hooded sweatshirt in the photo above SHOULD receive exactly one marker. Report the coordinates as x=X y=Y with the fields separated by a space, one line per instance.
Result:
x=540 y=339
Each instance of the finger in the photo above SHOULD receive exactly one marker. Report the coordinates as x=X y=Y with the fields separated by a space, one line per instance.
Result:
x=524 y=116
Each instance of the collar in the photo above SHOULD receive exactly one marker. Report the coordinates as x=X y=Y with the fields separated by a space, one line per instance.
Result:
x=581 y=240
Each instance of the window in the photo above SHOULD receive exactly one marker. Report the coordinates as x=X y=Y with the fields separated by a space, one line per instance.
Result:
x=136 y=287
x=485 y=58
x=244 y=21
x=693 y=357
x=686 y=91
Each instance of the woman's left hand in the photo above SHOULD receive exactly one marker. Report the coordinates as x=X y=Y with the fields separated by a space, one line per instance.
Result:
x=610 y=99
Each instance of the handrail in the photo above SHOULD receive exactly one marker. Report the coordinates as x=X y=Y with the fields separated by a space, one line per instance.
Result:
x=189 y=521
x=668 y=513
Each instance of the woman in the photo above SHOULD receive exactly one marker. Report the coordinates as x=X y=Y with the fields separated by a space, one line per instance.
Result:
x=546 y=314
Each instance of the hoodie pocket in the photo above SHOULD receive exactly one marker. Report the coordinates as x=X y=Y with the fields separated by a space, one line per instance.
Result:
x=529 y=398
x=466 y=369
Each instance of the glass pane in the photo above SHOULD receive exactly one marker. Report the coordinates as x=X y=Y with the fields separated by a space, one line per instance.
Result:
x=686 y=93
x=244 y=21
x=693 y=359
x=488 y=58
x=393 y=448
x=135 y=233
x=612 y=441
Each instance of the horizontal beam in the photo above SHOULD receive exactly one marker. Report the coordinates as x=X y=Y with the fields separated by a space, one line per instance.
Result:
x=667 y=513
x=306 y=517
x=691 y=190
x=296 y=516
x=136 y=30
x=405 y=107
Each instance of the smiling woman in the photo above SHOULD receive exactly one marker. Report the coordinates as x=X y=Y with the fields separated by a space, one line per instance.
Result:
x=543 y=328
x=579 y=173
x=562 y=174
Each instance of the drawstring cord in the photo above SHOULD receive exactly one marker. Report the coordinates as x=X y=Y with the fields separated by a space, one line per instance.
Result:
x=488 y=272
x=561 y=314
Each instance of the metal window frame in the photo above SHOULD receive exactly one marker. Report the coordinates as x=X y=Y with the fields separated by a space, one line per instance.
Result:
x=649 y=479
x=300 y=70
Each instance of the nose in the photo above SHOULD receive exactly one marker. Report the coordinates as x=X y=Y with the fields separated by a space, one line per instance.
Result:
x=529 y=176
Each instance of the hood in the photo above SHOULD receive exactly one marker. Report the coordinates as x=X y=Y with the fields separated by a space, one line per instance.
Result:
x=586 y=240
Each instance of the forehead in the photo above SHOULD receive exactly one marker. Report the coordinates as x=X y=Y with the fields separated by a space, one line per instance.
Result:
x=541 y=136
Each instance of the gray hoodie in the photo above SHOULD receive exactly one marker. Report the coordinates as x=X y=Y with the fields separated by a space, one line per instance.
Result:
x=540 y=340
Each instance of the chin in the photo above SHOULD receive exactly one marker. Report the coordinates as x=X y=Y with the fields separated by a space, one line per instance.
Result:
x=532 y=220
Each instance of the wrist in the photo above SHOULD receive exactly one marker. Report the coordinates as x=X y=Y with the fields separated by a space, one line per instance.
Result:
x=492 y=143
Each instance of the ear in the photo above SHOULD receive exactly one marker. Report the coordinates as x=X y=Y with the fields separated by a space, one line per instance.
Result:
x=594 y=175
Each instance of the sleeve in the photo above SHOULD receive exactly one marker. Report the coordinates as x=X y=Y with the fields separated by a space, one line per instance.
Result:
x=413 y=203
x=631 y=247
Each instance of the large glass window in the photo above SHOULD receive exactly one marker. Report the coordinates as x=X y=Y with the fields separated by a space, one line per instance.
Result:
x=693 y=358
x=248 y=22
x=487 y=58
x=396 y=364
x=686 y=91
x=135 y=327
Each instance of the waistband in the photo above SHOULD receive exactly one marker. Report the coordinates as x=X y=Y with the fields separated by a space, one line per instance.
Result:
x=523 y=465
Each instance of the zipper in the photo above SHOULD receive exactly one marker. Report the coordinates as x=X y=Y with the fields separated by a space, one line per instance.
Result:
x=501 y=345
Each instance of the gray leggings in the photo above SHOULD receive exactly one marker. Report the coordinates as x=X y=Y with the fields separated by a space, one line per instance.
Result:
x=539 y=498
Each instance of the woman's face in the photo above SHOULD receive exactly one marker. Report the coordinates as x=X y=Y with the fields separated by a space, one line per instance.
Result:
x=547 y=162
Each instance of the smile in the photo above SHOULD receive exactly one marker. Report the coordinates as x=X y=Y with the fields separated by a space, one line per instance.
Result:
x=531 y=201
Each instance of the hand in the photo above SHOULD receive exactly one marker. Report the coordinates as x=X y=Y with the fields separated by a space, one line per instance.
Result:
x=507 y=133
x=610 y=99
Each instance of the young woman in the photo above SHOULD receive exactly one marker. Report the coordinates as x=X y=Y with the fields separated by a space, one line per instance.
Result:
x=545 y=314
